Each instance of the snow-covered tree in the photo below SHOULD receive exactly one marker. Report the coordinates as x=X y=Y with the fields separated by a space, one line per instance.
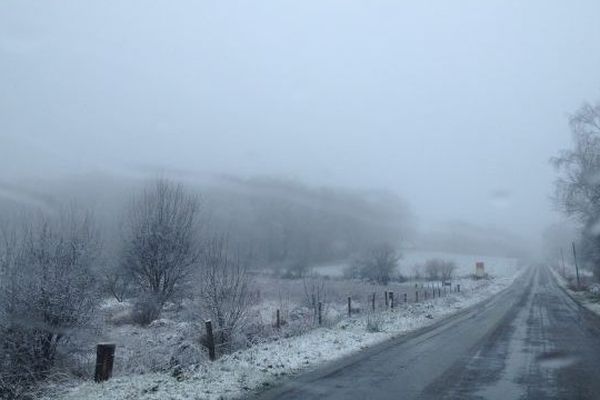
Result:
x=161 y=243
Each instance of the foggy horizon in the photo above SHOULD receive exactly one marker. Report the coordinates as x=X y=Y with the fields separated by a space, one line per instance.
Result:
x=457 y=108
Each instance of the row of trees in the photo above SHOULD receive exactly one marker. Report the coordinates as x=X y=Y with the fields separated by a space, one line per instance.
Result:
x=578 y=184
x=57 y=266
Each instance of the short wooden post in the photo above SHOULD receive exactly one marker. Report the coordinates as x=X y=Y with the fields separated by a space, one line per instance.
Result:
x=458 y=287
x=406 y=297
x=278 y=323
x=385 y=295
x=563 y=262
x=320 y=315
x=416 y=296
x=210 y=341
x=349 y=306
x=391 y=300
x=433 y=293
x=105 y=356
x=373 y=302
x=576 y=266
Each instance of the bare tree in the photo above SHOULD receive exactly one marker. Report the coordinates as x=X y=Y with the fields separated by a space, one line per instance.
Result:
x=315 y=292
x=161 y=243
x=437 y=269
x=47 y=292
x=226 y=294
x=578 y=184
x=118 y=283
x=378 y=263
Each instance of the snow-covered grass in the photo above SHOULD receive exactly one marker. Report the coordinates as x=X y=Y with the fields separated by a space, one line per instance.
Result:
x=589 y=293
x=235 y=375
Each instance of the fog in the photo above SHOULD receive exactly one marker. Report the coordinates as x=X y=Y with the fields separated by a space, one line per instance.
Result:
x=454 y=106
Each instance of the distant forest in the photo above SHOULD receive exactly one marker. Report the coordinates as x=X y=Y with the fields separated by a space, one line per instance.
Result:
x=275 y=223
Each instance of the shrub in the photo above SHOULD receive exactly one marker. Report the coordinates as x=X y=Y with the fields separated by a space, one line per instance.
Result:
x=374 y=322
x=161 y=241
x=146 y=309
x=377 y=264
x=439 y=270
x=47 y=292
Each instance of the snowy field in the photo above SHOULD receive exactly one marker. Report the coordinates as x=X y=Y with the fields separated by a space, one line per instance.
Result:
x=143 y=354
x=414 y=259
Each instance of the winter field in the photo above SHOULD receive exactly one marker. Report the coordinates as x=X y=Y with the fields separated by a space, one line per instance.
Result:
x=413 y=260
x=166 y=360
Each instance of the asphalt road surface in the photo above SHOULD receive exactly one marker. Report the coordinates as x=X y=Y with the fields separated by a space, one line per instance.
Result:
x=531 y=341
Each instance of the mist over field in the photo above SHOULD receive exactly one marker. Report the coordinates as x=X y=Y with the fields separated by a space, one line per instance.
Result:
x=401 y=97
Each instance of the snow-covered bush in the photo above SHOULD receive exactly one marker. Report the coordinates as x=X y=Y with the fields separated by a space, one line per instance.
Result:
x=226 y=294
x=47 y=293
x=374 y=322
x=161 y=243
x=376 y=265
x=146 y=308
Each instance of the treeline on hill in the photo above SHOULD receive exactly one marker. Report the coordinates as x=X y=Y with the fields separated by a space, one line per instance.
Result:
x=290 y=227
x=62 y=252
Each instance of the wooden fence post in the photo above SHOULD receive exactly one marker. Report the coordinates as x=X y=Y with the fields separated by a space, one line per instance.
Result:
x=320 y=308
x=385 y=295
x=278 y=320
x=406 y=297
x=105 y=355
x=576 y=266
x=416 y=296
x=373 y=302
x=349 y=306
x=391 y=300
x=458 y=287
x=210 y=340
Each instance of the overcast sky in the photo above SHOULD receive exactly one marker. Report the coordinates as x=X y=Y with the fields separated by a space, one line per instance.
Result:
x=456 y=105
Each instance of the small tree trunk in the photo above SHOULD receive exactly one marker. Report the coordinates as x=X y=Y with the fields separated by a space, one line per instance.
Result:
x=210 y=341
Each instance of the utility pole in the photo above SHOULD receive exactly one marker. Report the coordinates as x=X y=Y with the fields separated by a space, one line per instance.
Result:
x=576 y=267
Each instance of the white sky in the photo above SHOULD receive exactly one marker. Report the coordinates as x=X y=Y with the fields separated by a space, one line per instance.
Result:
x=445 y=102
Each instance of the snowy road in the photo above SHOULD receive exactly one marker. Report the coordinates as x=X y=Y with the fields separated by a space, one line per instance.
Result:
x=531 y=341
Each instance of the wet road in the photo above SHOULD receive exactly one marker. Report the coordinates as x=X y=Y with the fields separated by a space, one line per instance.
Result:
x=530 y=342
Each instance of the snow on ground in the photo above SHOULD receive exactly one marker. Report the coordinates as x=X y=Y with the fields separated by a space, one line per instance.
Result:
x=589 y=298
x=497 y=266
x=263 y=365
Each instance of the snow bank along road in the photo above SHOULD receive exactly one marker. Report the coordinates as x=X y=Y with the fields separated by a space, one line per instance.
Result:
x=530 y=342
